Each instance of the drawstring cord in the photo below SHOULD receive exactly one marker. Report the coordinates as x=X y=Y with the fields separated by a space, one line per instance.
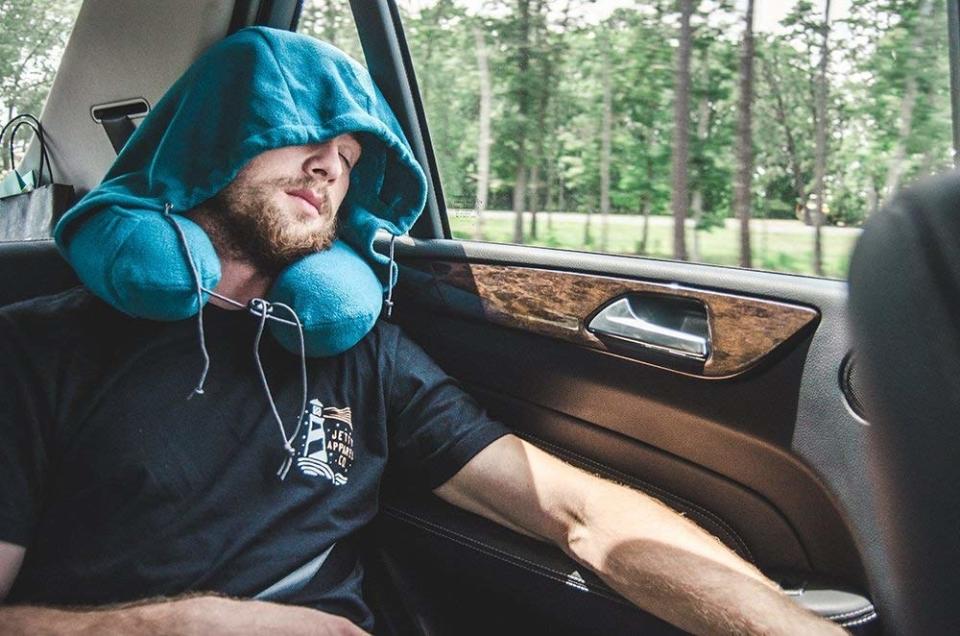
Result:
x=264 y=310
x=196 y=278
x=392 y=269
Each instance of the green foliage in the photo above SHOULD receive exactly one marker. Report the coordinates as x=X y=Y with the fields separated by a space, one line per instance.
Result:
x=550 y=52
x=888 y=117
x=32 y=37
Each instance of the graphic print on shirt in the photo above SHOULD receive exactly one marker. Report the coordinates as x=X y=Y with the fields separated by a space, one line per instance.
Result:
x=327 y=442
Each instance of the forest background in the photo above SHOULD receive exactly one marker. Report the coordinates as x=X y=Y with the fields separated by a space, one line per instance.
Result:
x=660 y=128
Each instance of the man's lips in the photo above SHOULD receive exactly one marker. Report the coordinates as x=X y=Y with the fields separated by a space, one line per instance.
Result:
x=311 y=197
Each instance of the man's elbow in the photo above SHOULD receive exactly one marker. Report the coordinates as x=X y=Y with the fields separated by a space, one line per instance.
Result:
x=588 y=524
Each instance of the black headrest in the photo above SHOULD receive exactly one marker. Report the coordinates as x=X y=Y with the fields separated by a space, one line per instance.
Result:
x=905 y=313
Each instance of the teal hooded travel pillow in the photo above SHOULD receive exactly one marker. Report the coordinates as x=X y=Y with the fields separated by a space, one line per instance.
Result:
x=257 y=90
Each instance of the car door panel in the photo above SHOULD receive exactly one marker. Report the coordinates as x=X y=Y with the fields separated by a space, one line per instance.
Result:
x=562 y=305
x=508 y=322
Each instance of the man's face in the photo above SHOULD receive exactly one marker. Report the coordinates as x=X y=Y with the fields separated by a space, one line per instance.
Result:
x=283 y=204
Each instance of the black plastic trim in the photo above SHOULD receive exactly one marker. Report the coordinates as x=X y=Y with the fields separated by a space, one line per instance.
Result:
x=280 y=14
x=244 y=14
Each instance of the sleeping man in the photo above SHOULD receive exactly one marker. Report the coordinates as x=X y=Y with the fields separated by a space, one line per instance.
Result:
x=190 y=442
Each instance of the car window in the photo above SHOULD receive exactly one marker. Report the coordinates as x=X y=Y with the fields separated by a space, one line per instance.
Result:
x=332 y=22
x=613 y=127
x=33 y=35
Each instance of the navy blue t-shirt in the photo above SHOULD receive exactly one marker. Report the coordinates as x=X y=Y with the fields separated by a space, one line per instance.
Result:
x=121 y=488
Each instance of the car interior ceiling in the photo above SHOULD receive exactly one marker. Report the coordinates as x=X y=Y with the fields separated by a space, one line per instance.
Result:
x=798 y=501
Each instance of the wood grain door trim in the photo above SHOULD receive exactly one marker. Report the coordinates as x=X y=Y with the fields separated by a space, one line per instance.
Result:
x=557 y=304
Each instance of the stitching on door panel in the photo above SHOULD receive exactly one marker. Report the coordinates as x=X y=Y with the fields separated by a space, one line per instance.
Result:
x=860 y=621
x=511 y=559
x=851 y=613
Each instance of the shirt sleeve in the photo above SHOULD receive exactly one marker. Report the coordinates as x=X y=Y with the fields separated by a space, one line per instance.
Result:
x=23 y=457
x=435 y=427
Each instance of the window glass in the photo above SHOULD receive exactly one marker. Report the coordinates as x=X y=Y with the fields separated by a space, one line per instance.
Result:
x=33 y=34
x=620 y=126
x=332 y=22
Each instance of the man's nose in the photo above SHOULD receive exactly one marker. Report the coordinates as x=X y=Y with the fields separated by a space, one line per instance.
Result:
x=323 y=163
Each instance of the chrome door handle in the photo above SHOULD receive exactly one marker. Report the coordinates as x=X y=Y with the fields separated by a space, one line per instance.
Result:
x=673 y=326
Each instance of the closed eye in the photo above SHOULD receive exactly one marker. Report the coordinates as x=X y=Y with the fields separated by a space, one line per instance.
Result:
x=346 y=160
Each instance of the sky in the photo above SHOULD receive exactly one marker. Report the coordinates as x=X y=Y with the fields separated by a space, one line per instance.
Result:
x=768 y=13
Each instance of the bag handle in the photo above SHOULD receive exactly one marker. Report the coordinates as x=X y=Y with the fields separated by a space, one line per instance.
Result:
x=44 y=157
x=26 y=119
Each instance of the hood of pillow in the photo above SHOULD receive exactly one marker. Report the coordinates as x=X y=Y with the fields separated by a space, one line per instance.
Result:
x=258 y=90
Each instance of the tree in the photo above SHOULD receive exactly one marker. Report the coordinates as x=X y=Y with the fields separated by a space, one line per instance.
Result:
x=743 y=183
x=711 y=84
x=484 y=139
x=521 y=94
x=820 y=167
x=605 y=142
x=789 y=118
x=680 y=197
x=332 y=22
x=32 y=37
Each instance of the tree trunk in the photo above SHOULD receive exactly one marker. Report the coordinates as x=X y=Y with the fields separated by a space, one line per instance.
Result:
x=696 y=201
x=523 y=99
x=561 y=194
x=561 y=199
x=680 y=196
x=605 y=143
x=485 y=139
x=820 y=166
x=519 y=198
x=645 y=236
x=544 y=71
x=696 y=210
x=533 y=191
x=743 y=183
x=549 y=190
x=587 y=234
x=646 y=204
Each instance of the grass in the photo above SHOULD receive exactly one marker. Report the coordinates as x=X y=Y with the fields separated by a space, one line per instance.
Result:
x=776 y=245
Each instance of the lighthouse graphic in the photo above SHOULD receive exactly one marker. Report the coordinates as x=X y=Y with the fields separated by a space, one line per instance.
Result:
x=327 y=442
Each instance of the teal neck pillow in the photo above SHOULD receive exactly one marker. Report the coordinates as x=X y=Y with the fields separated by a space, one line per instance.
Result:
x=132 y=245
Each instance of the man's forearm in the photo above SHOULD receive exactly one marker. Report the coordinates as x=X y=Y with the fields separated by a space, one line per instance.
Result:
x=671 y=567
x=147 y=617
x=184 y=616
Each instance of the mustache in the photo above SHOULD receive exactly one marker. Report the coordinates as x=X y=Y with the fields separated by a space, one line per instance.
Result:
x=303 y=183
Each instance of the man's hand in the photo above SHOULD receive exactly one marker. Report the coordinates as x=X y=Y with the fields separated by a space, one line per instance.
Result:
x=194 y=616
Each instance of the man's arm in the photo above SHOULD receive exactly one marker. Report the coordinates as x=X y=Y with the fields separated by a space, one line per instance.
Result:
x=658 y=559
x=11 y=557
x=185 y=616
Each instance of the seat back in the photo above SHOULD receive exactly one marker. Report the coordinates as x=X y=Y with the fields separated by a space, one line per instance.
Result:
x=904 y=308
x=32 y=268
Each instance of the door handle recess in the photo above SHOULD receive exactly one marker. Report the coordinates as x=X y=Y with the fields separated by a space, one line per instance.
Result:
x=675 y=326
